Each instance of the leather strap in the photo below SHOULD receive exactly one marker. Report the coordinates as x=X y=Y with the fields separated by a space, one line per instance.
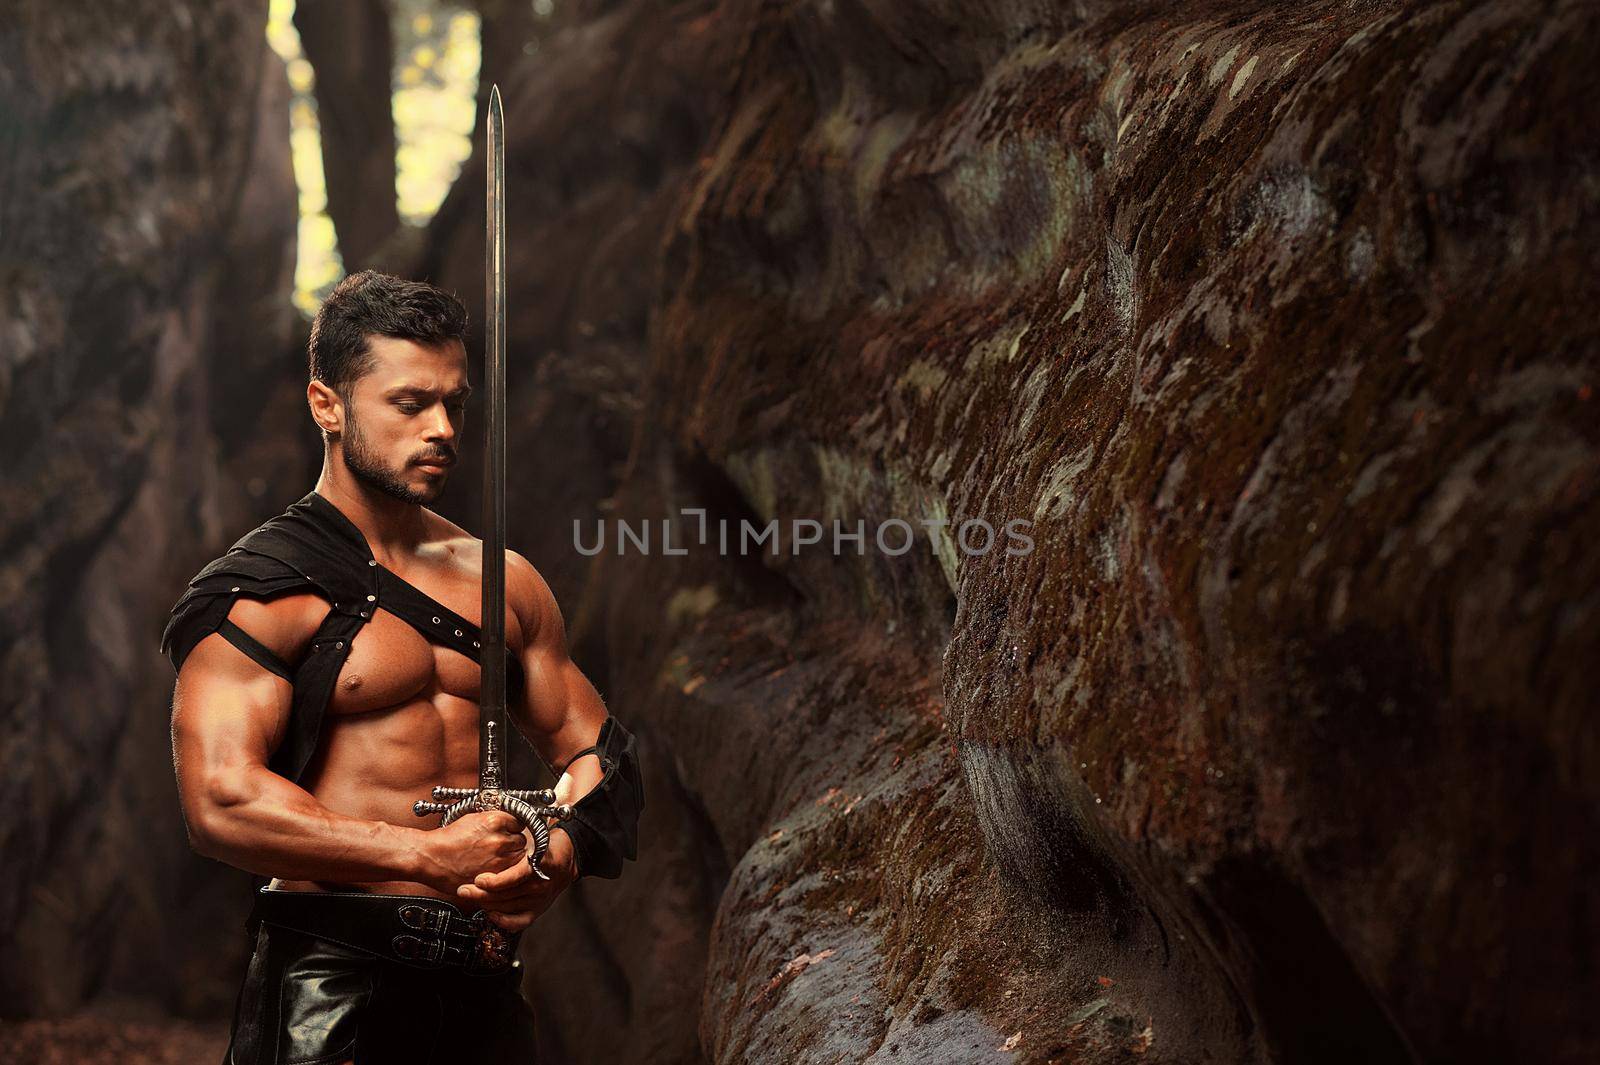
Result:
x=260 y=652
x=587 y=750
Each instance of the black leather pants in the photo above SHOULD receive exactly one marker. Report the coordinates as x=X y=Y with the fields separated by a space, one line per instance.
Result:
x=307 y=1000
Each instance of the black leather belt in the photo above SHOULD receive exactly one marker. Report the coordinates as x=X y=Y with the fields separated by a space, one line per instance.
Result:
x=424 y=932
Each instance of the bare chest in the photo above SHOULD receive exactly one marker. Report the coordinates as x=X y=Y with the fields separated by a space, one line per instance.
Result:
x=392 y=664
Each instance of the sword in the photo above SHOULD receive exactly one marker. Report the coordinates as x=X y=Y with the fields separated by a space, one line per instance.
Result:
x=529 y=807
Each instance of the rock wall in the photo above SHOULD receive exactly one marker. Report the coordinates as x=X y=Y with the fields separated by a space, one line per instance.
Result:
x=147 y=221
x=1277 y=746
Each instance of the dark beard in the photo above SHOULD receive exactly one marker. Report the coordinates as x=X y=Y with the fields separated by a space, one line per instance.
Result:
x=367 y=469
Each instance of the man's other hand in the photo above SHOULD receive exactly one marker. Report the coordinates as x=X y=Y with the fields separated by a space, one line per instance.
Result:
x=488 y=840
x=514 y=897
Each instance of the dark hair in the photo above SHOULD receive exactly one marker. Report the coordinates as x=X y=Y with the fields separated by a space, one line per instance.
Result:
x=372 y=304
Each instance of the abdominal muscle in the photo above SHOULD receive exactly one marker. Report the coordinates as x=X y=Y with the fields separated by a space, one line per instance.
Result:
x=402 y=718
x=374 y=765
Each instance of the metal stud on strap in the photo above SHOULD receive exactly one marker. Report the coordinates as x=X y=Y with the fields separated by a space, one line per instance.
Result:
x=429 y=952
x=423 y=917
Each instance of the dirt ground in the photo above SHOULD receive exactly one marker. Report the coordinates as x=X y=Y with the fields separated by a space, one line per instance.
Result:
x=95 y=1040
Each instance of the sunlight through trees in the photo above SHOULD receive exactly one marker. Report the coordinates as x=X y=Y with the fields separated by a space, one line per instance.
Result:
x=435 y=83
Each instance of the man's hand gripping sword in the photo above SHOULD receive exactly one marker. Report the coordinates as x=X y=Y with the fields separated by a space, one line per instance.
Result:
x=529 y=807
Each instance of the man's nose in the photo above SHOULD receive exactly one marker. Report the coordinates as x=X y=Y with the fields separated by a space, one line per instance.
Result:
x=440 y=427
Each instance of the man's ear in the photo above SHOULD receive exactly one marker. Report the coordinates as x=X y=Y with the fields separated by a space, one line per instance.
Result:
x=327 y=409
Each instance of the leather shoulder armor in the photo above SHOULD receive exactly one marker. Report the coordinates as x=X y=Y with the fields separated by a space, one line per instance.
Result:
x=308 y=548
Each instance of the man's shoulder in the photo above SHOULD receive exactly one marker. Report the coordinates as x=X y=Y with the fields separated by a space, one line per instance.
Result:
x=285 y=625
x=465 y=551
x=529 y=595
x=286 y=564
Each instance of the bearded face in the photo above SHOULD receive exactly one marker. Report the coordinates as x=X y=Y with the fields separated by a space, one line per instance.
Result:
x=368 y=465
x=404 y=418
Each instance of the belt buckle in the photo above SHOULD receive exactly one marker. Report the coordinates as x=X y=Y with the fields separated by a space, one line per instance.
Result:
x=492 y=950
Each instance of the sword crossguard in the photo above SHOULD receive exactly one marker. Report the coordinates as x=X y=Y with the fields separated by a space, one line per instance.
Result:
x=444 y=797
x=531 y=808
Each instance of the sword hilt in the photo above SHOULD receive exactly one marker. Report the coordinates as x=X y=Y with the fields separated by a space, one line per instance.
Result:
x=531 y=808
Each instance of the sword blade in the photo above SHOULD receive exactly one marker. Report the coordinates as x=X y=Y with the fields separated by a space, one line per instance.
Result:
x=492 y=702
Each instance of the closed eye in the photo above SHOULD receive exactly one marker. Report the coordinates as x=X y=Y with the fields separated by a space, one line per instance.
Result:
x=408 y=404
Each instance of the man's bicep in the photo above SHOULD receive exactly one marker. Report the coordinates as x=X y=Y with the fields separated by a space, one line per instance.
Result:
x=228 y=714
x=235 y=684
x=226 y=709
x=563 y=707
x=230 y=710
x=562 y=711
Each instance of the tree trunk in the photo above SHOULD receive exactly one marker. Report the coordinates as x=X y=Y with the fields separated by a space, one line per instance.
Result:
x=351 y=48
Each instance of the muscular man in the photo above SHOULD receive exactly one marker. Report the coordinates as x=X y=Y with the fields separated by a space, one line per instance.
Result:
x=328 y=678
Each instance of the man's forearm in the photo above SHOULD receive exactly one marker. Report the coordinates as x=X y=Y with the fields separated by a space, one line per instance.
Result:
x=255 y=820
x=574 y=784
x=604 y=825
x=579 y=780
